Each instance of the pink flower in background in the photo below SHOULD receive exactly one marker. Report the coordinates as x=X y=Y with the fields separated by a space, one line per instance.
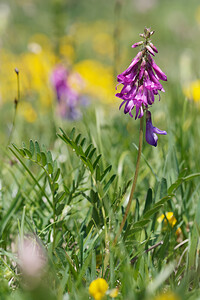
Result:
x=32 y=258
x=69 y=99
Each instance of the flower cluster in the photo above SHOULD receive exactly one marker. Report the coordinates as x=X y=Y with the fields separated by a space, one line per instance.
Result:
x=68 y=98
x=141 y=83
x=99 y=288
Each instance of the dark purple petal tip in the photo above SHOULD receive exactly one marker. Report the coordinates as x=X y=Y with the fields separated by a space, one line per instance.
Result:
x=151 y=131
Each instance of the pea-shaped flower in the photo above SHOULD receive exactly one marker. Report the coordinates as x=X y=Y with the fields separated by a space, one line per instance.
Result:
x=141 y=85
x=98 y=288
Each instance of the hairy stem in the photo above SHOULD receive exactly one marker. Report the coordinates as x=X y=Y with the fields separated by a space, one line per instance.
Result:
x=134 y=182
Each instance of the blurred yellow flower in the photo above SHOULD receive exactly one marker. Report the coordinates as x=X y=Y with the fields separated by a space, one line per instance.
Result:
x=28 y=112
x=167 y=296
x=113 y=293
x=169 y=219
x=98 y=79
x=192 y=91
x=98 y=288
x=97 y=34
x=197 y=15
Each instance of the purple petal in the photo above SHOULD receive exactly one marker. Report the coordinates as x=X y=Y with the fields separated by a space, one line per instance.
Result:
x=150 y=50
x=129 y=106
x=158 y=131
x=154 y=48
x=137 y=44
x=142 y=69
x=161 y=75
x=133 y=64
x=151 y=131
x=121 y=103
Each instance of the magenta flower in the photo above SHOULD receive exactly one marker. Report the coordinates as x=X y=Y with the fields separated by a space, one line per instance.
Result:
x=151 y=131
x=68 y=98
x=141 y=83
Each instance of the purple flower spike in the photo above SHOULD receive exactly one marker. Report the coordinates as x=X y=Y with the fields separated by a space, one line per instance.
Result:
x=141 y=80
x=151 y=131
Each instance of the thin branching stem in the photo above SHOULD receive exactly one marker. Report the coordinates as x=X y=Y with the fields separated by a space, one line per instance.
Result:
x=16 y=102
x=134 y=182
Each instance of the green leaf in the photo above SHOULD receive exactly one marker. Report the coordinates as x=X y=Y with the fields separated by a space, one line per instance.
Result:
x=23 y=145
x=141 y=223
x=175 y=185
x=152 y=211
x=92 y=153
x=22 y=152
x=163 y=200
x=87 y=163
x=148 y=201
x=37 y=147
x=56 y=175
x=28 y=153
x=50 y=168
x=32 y=148
x=55 y=187
x=44 y=159
x=106 y=187
x=94 y=196
x=49 y=157
x=106 y=171
x=98 y=175
x=60 y=196
x=71 y=135
x=83 y=142
x=88 y=150
x=191 y=176
x=133 y=231
x=95 y=216
x=78 y=138
x=55 y=166
x=163 y=188
x=59 y=209
x=38 y=157
x=96 y=161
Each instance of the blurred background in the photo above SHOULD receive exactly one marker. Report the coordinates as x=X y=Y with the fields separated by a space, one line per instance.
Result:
x=92 y=41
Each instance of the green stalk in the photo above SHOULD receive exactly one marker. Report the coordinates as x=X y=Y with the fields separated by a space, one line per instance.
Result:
x=16 y=102
x=134 y=182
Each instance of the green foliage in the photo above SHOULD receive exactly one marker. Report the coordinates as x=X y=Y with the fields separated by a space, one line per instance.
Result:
x=77 y=240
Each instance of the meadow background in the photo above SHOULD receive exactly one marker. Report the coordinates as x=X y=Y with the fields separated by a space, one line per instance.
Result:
x=73 y=214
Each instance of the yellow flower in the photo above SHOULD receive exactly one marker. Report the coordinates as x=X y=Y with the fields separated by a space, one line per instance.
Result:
x=197 y=15
x=192 y=91
x=167 y=296
x=113 y=293
x=98 y=288
x=98 y=79
x=169 y=219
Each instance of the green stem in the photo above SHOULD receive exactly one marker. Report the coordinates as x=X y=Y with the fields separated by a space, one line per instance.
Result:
x=134 y=182
x=16 y=102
